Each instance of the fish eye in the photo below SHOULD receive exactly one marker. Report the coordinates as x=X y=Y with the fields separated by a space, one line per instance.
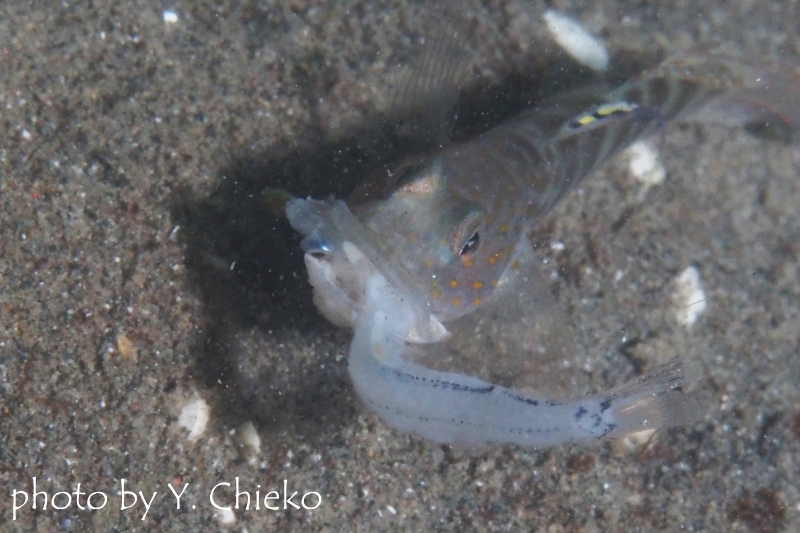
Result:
x=317 y=248
x=465 y=238
x=471 y=245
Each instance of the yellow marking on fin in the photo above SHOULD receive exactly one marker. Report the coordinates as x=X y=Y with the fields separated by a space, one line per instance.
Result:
x=602 y=111
x=476 y=301
x=477 y=285
x=609 y=109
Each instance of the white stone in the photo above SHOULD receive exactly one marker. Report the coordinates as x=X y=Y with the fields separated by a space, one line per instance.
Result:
x=644 y=164
x=194 y=417
x=169 y=16
x=690 y=297
x=225 y=516
x=576 y=40
x=249 y=442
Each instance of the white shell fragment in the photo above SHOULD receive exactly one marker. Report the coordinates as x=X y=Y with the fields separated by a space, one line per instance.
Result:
x=644 y=165
x=690 y=297
x=194 y=417
x=638 y=439
x=169 y=16
x=576 y=41
x=225 y=515
x=249 y=443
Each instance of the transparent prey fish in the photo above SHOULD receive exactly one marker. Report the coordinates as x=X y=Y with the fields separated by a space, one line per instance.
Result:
x=434 y=261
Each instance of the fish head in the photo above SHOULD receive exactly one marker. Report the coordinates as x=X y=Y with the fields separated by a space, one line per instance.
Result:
x=450 y=245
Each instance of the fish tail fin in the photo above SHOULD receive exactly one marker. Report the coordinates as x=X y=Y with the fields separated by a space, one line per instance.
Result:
x=662 y=397
x=771 y=113
x=762 y=98
x=766 y=103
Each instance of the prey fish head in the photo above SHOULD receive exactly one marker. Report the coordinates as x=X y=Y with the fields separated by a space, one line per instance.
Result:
x=340 y=270
x=454 y=247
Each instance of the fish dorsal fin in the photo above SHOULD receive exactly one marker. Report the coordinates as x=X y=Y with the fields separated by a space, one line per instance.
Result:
x=428 y=89
x=423 y=108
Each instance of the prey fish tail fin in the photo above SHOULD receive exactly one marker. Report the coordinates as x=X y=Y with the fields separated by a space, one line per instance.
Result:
x=660 y=398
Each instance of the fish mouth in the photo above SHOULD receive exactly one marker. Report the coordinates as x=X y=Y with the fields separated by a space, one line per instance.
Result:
x=343 y=257
x=329 y=225
x=338 y=300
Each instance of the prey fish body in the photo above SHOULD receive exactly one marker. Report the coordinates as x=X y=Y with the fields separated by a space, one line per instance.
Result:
x=442 y=238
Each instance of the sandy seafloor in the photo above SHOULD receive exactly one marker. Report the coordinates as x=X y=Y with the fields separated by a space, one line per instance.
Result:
x=132 y=156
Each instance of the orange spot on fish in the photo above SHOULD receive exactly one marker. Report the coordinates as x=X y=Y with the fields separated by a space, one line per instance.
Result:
x=454 y=283
x=467 y=261
x=515 y=264
x=477 y=285
x=500 y=254
x=491 y=259
x=476 y=301
x=429 y=263
x=456 y=302
x=503 y=228
x=437 y=294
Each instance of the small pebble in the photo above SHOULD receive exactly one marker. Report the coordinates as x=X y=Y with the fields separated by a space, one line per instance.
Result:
x=169 y=16
x=644 y=165
x=690 y=297
x=194 y=417
x=576 y=41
